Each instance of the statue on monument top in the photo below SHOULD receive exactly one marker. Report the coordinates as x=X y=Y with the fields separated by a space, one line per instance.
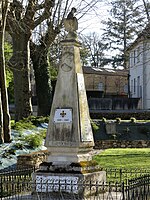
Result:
x=71 y=23
x=71 y=14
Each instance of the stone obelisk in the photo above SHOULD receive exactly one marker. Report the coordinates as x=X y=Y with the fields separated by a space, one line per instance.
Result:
x=69 y=138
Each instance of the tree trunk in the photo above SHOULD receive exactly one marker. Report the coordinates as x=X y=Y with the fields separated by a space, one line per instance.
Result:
x=4 y=97
x=21 y=71
x=1 y=123
x=41 y=68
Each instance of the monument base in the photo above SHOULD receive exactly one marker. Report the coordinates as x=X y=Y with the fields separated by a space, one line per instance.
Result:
x=77 y=179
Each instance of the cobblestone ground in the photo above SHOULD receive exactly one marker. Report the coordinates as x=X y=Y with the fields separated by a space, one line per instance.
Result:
x=59 y=196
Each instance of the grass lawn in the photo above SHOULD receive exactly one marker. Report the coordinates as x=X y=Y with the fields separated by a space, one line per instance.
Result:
x=129 y=158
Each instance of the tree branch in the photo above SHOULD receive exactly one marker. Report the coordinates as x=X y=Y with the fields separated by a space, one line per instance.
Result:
x=48 y=5
x=146 y=10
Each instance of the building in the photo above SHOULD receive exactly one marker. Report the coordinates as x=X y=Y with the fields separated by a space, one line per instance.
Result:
x=107 y=89
x=139 y=65
x=102 y=82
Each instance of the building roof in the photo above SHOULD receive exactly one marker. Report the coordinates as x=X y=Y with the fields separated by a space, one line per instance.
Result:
x=105 y=71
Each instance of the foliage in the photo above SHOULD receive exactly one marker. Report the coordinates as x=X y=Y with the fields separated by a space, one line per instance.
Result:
x=22 y=125
x=84 y=54
x=10 y=85
x=95 y=127
x=34 y=140
x=7 y=51
x=37 y=120
x=24 y=14
x=125 y=23
x=9 y=74
x=53 y=73
x=9 y=77
x=93 y=50
x=43 y=133
x=8 y=54
x=28 y=123
x=124 y=158
x=19 y=145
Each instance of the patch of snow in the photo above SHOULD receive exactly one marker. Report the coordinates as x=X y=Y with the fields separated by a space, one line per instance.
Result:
x=9 y=160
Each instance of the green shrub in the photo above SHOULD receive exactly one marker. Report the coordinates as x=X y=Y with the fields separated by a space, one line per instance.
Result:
x=43 y=133
x=28 y=123
x=34 y=140
x=18 y=145
x=12 y=123
x=38 y=120
x=95 y=127
x=22 y=125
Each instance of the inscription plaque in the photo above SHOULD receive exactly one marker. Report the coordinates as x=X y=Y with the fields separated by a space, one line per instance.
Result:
x=63 y=116
x=57 y=183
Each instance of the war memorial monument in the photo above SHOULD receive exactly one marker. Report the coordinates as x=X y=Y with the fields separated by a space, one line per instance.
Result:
x=69 y=138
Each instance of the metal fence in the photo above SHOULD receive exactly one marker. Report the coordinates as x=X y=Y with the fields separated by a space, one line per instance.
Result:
x=122 y=175
x=18 y=184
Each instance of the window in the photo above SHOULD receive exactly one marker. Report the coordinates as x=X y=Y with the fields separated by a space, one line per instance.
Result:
x=131 y=87
x=134 y=89
x=126 y=89
x=130 y=60
x=138 y=87
x=138 y=54
x=134 y=56
x=101 y=86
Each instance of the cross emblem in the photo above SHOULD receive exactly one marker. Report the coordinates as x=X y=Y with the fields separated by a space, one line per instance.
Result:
x=63 y=114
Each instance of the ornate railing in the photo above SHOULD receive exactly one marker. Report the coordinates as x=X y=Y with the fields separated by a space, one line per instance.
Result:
x=123 y=185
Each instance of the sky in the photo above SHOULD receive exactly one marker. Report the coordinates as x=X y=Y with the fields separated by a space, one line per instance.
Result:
x=92 y=20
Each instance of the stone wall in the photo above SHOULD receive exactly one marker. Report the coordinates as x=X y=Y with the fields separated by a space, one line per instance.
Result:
x=33 y=159
x=114 y=103
x=138 y=114
x=105 y=144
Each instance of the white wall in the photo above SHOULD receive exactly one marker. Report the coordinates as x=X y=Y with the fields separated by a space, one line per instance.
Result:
x=146 y=66
x=140 y=73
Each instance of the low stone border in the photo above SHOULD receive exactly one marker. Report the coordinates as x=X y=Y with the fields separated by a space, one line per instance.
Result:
x=33 y=159
x=105 y=144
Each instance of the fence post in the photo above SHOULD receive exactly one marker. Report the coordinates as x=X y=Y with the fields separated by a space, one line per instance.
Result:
x=1 y=186
x=123 y=191
x=120 y=175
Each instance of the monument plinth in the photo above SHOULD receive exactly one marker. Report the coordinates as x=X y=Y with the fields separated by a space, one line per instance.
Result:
x=69 y=138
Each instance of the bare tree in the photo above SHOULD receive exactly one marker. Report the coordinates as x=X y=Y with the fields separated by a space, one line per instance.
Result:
x=93 y=43
x=147 y=9
x=40 y=53
x=22 y=19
